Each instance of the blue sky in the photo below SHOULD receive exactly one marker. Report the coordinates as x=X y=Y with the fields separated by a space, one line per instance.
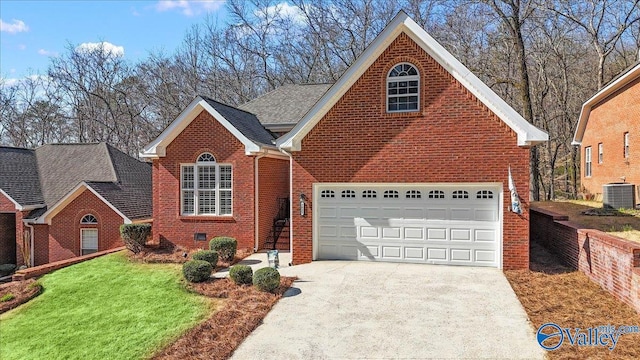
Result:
x=31 y=31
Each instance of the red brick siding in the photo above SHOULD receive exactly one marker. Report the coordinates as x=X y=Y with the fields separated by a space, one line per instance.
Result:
x=607 y=124
x=453 y=138
x=611 y=262
x=41 y=244
x=273 y=183
x=64 y=231
x=204 y=134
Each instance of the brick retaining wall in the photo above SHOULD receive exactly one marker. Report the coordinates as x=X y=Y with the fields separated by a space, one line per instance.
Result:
x=610 y=261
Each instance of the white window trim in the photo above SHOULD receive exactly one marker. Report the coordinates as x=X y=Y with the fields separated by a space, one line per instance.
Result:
x=600 y=153
x=403 y=78
x=195 y=189
x=587 y=161
x=82 y=230
x=82 y=222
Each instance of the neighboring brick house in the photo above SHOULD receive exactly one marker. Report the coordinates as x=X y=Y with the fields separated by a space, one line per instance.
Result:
x=405 y=158
x=608 y=133
x=64 y=200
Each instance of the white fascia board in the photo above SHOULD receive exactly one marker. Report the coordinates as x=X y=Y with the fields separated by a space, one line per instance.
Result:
x=599 y=96
x=528 y=134
x=157 y=148
x=71 y=195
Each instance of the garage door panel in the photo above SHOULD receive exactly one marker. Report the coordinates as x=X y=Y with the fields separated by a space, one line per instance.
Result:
x=414 y=233
x=437 y=254
x=461 y=255
x=414 y=253
x=460 y=235
x=391 y=232
x=437 y=214
x=410 y=227
x=437 y=234
x=391 y=252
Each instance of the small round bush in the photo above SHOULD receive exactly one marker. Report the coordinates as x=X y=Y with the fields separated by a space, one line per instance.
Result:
x=6 y=269
x=266 y=279
x=209 y=256
x=241 y=274
x=225 y=246
x=197 y=270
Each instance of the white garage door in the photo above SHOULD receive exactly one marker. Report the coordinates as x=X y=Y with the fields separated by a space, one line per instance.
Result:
x=456 y=224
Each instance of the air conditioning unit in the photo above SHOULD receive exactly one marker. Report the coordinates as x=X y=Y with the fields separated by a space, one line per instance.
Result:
x=618 y=195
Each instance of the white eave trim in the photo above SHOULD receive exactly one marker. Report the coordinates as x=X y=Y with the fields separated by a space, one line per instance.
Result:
x=21 y=207
x=71 y=195
x=528 y=135
x=158 y=147
x=597 y=98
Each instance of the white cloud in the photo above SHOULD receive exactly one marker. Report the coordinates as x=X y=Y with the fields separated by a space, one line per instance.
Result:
x=285 y=11
x=22 y=47
x=15 y=26
x=44 y=52
x=8 y=82
x=189 y=7
x=107 y=47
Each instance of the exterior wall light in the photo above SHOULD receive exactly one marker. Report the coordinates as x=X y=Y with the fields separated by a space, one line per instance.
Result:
x=303 y=203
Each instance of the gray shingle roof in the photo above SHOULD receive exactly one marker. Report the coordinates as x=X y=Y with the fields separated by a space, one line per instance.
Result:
x=19 y=175
x=47 y=174
x=246 y=122
x=287 y=104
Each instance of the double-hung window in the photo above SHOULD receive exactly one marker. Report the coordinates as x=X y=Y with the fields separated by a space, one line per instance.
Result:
x=587 y=161
x=206 y=187
x=403 y=88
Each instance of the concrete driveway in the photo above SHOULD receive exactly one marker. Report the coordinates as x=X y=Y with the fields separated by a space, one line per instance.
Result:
x=363 y=310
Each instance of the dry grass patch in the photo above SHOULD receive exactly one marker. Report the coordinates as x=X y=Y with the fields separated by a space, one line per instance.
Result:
x=179 y=255
x=17 y=293
x=622 y=223
x=553 y=293
x=219 y=336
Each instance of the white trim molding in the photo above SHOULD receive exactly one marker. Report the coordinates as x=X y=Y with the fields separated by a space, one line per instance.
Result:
x=625 y=79
x=528 y=135
x=21 y=207
x=72 y=195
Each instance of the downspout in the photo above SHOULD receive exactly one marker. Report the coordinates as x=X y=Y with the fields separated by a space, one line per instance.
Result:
x=290 y=204
x=31 y=231
x=256 y=220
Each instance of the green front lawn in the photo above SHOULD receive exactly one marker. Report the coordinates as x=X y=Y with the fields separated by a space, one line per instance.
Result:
x=106 y=308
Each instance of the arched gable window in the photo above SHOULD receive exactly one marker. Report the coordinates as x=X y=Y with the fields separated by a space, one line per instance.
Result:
x=403 y=88
x=205 y=187
x=88 y=236
x=88 y=219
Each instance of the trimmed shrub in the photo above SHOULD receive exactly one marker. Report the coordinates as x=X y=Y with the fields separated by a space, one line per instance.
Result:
x=6 y=269
x=209 y=256
x=135 y=236
x=266 y=279
x=197 y=270
x=241 y=274
x=225 y=246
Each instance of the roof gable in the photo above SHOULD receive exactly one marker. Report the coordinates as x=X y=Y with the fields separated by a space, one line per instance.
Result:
x=527 y=134
x=618 y=83
x=241 y=124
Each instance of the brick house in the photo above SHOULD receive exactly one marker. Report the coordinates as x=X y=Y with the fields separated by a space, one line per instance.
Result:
x=405 y=158
x=608 y=132
x=65 y=200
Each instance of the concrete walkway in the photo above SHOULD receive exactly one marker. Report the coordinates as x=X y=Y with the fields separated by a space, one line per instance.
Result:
x=363 y=310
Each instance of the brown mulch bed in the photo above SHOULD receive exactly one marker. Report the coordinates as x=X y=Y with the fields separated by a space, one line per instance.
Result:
x=22 y=292
x=551 y=292
x=582 y=212
x=179 y=255
x=218 y=337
